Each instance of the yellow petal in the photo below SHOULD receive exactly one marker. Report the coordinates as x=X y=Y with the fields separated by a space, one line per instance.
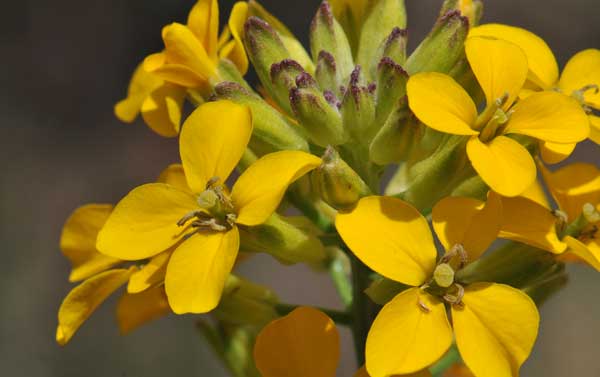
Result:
x=134 y=310
x=594 y=129
x=439 y=102
x=237 y=54
x=549 y=116
x=144 y=223
x=543 y=69
x=162 y=109
x=259 y=190
x=536 y=193
x=499 y=66
x=581 y=70
x=141 y=85
x=303 y=343
x=496 y=329
x=505 y=165
x=391 y=237
x=526 y=221
x=182 y=47
x=174 y=176
x=589 y=252
x=198 y=269
x=553 y=153
x=151 y=274
x=203 y=21
x=78 y=241
x=213 y=139
x=83 y=300
x=406 y=337
x=572 y=186
x=469 y=222
x=362 y=372
x=179 y=74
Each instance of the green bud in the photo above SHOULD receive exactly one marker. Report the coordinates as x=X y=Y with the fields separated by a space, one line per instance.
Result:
x=391 y=88
x=229 y=72
x=283 y=78
x=382 y=17
x=327 y=35
x=396 y=140
x=443 y=47
x=280 y=237
x=291 y=43
x=383 y=290
x=472 y=9
x=393 y=47
x=272 y=132
x=320 y=118
x=246 y=303
x=358 y=109
x=336 y=182
x=327 y=74
x=264 y=48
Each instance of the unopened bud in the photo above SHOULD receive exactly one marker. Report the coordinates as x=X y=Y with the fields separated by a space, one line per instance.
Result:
x=443 y=47
x=283 y=78
x=272 y=132
x=326 y=34
x=443 y=275
x=391 y=88
x=472 y=9
x=337 y=183
x=358 y=109
x=281 y=238
x=327 y=73
x=393 y=47
x=321 y=120
x=384 y=16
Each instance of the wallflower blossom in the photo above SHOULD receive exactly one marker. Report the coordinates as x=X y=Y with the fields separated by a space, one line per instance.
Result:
x=501 y=70
x=495 y=325
x=579 y=79
x=201 y=225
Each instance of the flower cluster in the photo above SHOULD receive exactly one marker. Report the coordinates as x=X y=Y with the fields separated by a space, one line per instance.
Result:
x=465 y=123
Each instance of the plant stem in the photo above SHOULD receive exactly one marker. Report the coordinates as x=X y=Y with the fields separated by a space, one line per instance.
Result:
x=341 y=282
x=340 y=317
x=363 y=309
x=451 y=357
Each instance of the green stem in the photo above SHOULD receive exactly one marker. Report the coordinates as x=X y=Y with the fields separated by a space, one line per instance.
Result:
x=450 y=358
x=363 y=309
x=339 y=317
x=340 y=281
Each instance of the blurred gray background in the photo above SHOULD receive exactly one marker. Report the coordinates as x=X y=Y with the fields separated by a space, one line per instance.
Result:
x=64 y=64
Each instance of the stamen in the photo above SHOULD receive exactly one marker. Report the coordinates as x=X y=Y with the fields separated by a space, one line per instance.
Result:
x=190 y=216
x=457 y=249
x=423 y=306
x=562 y=219
x=456 y=299
x=590 y=213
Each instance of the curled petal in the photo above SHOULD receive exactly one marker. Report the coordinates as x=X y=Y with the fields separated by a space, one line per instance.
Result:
x=141 y=85
x=203 y=21
x=303 y=343
x=236 y=53
x=151 y=274
x=588 y=251
x=391 y=237
x=495 y=329
x=162 y=109
x=260 y=188
x=135 y=310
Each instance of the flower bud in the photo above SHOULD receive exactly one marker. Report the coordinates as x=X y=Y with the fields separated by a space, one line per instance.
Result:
x=395 y=141
x=391 y=88
x=321 y=120
x=393 y=48
x=246 y=303
x=272 y=132
x=283 y=78
x=264 y=48
x=358 y=109
x=327 y=74
x=472 y=9
x=280 y=237
x=383 y=17
x=338 y=185
x=327 y=35
x=443 y=47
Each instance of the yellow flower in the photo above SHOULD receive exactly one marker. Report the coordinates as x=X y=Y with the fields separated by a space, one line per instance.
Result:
x=100 y=280
x=580 y=78
x=192 y=52
x=201 y=222
x=501 y=70
x=303 y=343
x=159 y=102
x=495 y=325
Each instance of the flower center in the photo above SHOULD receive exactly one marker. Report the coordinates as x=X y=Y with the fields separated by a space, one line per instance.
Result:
x=443 y=284
x=217 y=211
x=489 y=122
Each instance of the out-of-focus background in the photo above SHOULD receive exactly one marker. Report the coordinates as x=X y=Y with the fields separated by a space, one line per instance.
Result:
x=64 y=64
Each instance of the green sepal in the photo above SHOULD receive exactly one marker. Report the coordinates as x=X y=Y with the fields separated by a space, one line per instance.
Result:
x=283 y=79
x=358 y=109
x=272 y=132
x=383 y=290
x=393 y=47
x=391 y=88
x=327 y=74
